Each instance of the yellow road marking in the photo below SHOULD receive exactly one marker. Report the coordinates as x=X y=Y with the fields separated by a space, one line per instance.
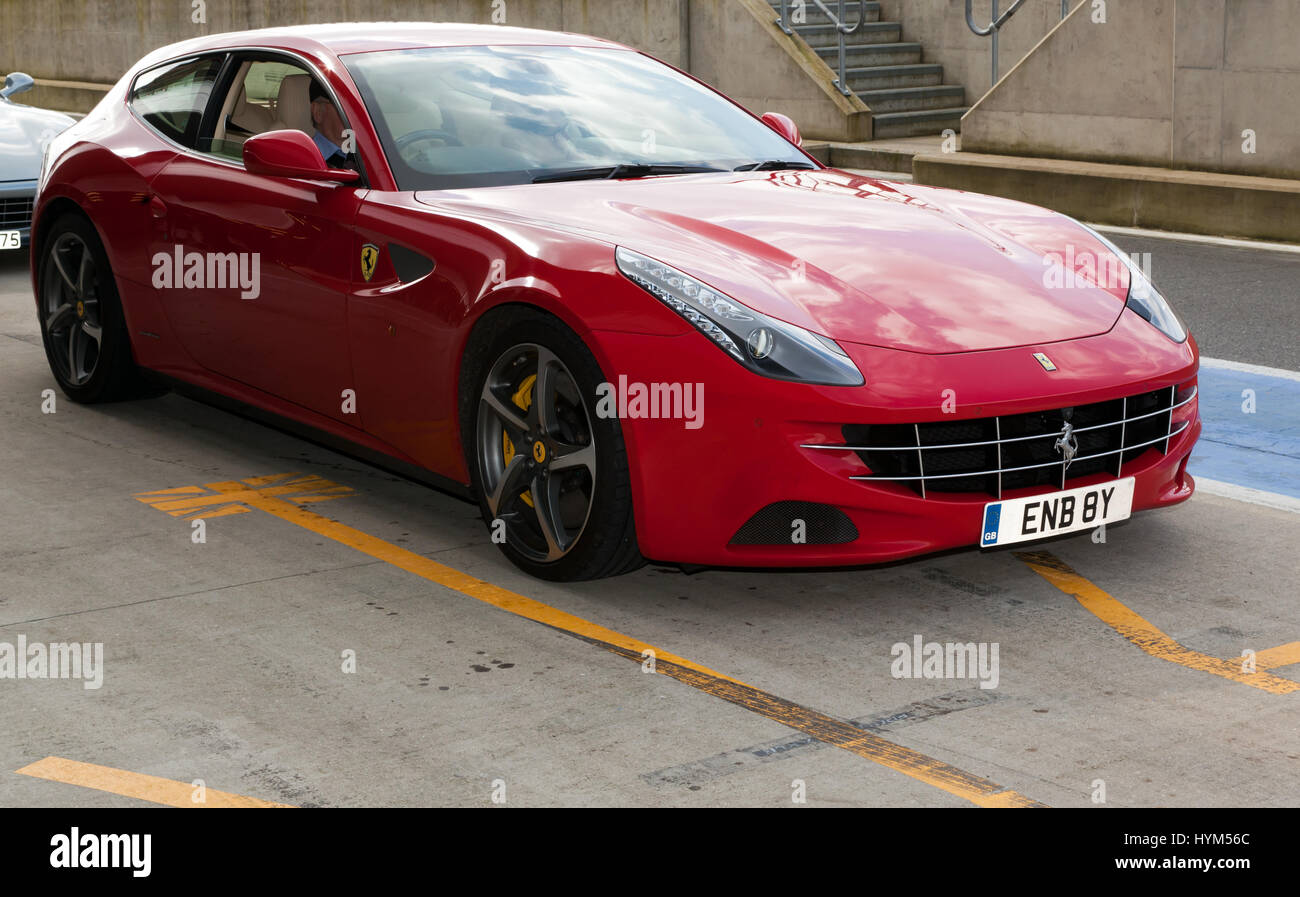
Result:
x=195 y=501
x=1281 y=656
x=134 y=784
x=845 y=735
x=272 y=502
x=1151 y=639
x=278 y=501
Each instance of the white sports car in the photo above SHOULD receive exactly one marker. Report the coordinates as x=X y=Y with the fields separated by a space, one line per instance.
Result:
x=25 y=131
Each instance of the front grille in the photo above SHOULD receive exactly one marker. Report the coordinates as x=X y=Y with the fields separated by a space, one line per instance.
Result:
x=15 y=212
x=1015 y=451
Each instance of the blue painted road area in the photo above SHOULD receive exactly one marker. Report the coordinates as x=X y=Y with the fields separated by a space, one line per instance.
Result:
x=1258 y=448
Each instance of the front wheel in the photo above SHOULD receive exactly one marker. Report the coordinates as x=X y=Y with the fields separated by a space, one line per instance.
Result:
x=550 y=475
x=81 y=318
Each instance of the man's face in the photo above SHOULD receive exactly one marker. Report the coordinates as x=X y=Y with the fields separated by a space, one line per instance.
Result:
x=327 y=120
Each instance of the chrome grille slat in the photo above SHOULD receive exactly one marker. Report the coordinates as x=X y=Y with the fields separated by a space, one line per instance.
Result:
x=1123 y=430
x=1173 y=397
x=997 y=429
x=920 y=456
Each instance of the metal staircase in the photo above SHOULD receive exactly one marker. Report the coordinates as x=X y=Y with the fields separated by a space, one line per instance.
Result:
x=907 y=97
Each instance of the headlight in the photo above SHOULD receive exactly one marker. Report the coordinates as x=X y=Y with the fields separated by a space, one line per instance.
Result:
x=763 y=344
x=1143 y=297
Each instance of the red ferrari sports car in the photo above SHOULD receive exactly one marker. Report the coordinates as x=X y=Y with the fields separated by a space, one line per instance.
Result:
x=628 y=317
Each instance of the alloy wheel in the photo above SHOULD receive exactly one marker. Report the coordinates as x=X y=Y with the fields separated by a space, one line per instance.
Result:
x=536 y=452
x=71 y=308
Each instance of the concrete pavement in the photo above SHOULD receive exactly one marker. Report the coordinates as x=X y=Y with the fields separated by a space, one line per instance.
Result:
x=226 y=661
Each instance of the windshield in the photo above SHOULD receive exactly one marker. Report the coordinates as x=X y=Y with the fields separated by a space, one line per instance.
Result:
x=485 y=116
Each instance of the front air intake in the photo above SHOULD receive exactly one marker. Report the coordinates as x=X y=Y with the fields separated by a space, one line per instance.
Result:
x=780 y=524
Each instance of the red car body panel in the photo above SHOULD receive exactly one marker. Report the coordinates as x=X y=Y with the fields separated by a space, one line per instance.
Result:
x=925 y=289
x=838 y=254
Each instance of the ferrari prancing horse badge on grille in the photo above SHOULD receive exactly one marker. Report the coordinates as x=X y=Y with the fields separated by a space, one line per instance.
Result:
x=369 y=257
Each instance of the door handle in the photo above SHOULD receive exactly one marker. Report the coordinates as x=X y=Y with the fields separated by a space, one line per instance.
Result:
x=157 y=207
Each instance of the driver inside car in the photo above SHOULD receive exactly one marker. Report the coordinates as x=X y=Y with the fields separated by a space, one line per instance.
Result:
x=328 y=135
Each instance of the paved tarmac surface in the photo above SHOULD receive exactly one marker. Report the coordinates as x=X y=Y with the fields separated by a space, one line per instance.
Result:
x=225 y=661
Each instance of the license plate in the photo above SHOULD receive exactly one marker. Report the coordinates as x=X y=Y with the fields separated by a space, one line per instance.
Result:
x=1067 y=511
x=11 y=239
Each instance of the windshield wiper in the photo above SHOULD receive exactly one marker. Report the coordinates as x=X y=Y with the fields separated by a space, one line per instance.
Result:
x=622 y=170
x=774 y=165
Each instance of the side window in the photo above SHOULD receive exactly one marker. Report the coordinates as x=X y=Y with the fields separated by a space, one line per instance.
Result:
x=264 y=95
x=264 y=88
x=171 y=98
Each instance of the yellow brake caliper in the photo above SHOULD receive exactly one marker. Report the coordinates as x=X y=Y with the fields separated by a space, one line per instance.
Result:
x=523 y=399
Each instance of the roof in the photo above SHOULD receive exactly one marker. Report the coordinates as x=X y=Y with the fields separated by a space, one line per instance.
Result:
x=362 y=37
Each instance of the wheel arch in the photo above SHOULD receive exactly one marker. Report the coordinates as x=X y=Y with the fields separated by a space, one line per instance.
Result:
x=509 y=304
x=51 y=211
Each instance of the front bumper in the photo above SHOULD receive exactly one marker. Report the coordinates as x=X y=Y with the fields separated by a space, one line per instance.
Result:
x=696 y=486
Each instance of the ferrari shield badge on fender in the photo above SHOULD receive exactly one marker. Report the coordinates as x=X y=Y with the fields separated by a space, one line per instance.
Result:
x=369 y=258
x=1038 y=356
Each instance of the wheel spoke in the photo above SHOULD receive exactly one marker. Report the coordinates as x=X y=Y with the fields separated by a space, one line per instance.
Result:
x=81 y=272
x=542 y=411
x=94 y=331
x=58 y=263
x=508 y=413
x=80 y=365
x=511 y=484
x=565 y=456
x=72 y=353
x=57 y=316
x=546 y=503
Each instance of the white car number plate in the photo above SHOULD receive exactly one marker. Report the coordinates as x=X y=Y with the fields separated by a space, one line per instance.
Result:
x=1042 y=516
x=11 y=239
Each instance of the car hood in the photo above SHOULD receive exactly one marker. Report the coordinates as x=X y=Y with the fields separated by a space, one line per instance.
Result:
x=857 y=259
x=24 y=130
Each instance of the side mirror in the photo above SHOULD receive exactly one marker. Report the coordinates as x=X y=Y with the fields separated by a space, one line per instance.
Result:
x=290 y=154
x=783 y=125
x=16 y=82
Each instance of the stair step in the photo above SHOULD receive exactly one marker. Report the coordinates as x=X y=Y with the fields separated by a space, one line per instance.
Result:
x=814 y=16
x=869 y=33
x=873 y=54
x=883 y=77
x=911 y=124
x=912 y=99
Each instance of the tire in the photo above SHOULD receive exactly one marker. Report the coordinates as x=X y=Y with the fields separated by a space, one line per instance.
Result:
x=538 y=453
x=82 y=325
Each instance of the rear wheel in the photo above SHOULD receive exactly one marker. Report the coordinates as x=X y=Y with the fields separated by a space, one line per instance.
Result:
x=551 y=476
x=81 y=319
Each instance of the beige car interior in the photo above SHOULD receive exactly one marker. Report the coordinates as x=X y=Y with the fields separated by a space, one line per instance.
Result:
x=243 y=116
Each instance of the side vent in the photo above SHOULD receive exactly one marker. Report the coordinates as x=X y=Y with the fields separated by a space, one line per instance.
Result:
x=409 y=264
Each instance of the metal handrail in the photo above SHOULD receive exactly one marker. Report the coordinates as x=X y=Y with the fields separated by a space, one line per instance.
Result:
x=995 y=24
x=997 y=19
x=842 y=82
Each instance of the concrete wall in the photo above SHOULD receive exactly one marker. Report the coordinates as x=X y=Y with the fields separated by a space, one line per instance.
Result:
x=736 y=47
x=97 y=40
x=76 y=49
x=1171 y=83
x=940 y=26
